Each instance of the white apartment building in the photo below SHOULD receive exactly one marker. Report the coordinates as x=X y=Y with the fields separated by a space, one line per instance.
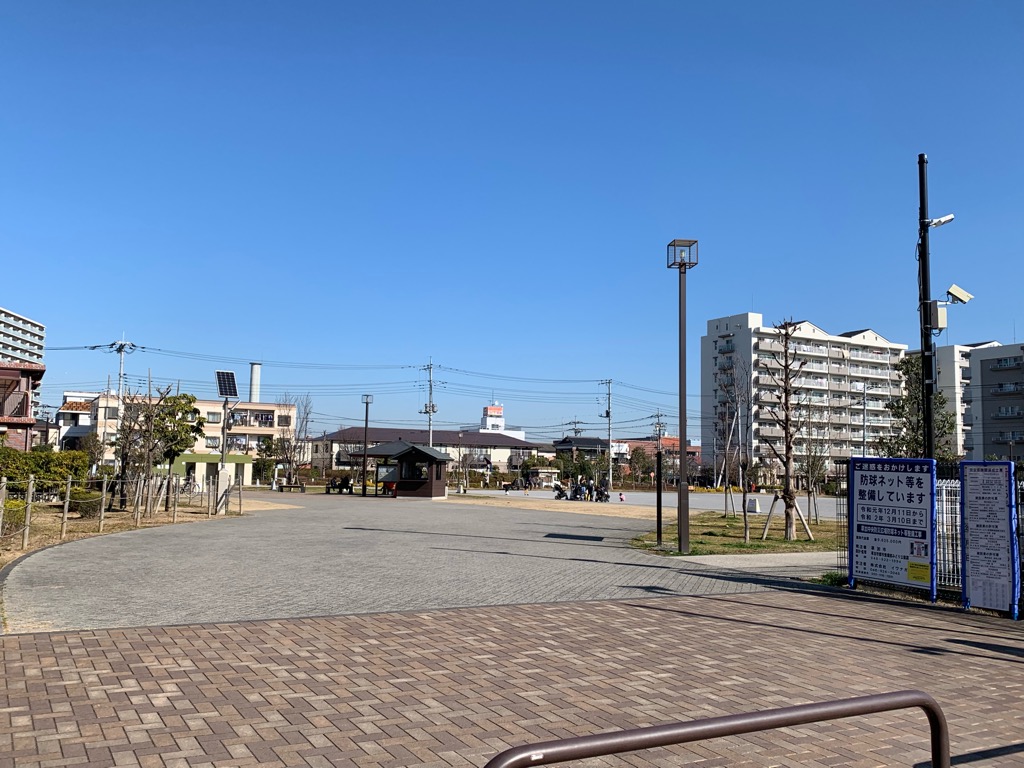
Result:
x=953 y=379
x=21 y=340
x=842 y=390
x=249 y=423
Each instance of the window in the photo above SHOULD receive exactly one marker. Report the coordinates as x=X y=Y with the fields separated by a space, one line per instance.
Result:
x=213 y=417
x=111 y=413
x=213 y=442
x=415 y=471
x=284 y=421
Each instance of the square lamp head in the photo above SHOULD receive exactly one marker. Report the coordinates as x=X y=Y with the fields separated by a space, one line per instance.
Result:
x=682 y=254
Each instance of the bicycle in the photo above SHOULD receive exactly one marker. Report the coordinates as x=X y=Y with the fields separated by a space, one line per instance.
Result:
x=190 y=489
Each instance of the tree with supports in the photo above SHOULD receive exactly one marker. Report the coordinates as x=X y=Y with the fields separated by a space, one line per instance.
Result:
x=781 y=406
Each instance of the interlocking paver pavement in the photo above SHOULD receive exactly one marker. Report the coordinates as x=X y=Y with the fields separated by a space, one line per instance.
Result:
x=451 y=686
x=340 y=555
x=454 y=687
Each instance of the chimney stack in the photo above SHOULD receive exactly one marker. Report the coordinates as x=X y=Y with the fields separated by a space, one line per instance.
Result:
x=254 y=382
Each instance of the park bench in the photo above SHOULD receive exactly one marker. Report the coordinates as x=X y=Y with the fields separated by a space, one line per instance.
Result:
x=341 y=486
x=291 y=487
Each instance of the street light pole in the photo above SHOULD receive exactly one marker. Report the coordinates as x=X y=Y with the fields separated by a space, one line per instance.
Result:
x=924 y=309
x=367 y=399
x=682 y=255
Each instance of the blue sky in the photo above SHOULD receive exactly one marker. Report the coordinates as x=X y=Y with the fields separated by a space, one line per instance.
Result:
x=360 y=188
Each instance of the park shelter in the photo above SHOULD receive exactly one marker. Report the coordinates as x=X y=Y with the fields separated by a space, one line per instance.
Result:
x=416 y=469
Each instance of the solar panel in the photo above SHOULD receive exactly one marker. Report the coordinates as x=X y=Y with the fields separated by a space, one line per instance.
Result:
x=226 y=386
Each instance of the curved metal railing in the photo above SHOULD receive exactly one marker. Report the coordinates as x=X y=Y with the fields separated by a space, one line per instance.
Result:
x=602 y=744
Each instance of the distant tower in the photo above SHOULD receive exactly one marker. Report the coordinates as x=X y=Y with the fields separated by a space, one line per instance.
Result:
x=493 y=418
x=494 y=421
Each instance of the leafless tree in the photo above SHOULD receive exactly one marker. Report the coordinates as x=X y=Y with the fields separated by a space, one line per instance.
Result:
x=292 y=438
x=782 y=409
x=815 y=436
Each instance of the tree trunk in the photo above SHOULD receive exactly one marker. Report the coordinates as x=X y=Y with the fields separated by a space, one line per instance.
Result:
x=789 y=498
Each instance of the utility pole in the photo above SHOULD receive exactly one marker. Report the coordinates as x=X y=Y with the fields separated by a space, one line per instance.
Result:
x=576 y=427
x=658 y=429
x=430 y=408
x=608 y=415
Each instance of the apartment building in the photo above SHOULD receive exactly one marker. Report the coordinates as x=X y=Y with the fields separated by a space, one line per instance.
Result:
x=19 y=383
x=953 y=380
x=21 y=340
x=248 y=424
x=844 y=384
x=21 y=373
x=996 y=398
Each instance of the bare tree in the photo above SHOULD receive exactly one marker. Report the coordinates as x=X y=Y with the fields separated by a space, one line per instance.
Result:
x=782 y=409
x=734 y=379
x=743 y=392
x=292 y=437
x=815 y=438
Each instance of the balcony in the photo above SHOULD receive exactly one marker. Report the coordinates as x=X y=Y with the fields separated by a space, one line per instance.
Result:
x=725 y=364
x=15 y=405
x=1006 y=364
x=1009 y=415
x=811 y=349
x=1006 y=389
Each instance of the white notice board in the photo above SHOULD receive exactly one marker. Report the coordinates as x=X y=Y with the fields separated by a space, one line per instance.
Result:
x=892 y=522
x=988 y=520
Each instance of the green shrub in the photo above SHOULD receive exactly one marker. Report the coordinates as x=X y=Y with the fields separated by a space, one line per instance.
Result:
x=833 y=579
x=14 y=516
x=84 y=502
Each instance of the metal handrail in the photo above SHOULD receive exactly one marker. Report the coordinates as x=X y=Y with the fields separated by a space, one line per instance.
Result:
x=602 y=744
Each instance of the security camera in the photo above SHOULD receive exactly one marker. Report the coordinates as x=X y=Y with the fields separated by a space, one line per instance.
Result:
x=940 y=221
x=958 y=295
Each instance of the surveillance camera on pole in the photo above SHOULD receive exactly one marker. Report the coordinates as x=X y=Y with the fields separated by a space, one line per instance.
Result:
x=958 y=295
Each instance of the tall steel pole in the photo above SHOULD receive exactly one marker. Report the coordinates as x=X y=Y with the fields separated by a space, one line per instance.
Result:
x=683 y=501
x=682 y=255
x=924 y=309
x=367 y=399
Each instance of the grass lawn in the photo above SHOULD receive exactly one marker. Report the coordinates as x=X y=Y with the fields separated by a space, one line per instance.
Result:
x=713 y=534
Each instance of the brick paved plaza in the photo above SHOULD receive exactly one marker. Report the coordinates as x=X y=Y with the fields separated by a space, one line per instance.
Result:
x=456 y=685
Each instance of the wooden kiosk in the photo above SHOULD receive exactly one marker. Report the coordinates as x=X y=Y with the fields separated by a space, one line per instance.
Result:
x=411 y=470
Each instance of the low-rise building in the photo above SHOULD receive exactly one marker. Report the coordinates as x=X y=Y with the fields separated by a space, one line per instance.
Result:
x=248 y=425
x=19 y=382
x=484 y=451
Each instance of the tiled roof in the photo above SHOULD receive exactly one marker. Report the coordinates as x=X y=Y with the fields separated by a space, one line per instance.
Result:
x=17 y=365
x=77 y=405
x=447 y=437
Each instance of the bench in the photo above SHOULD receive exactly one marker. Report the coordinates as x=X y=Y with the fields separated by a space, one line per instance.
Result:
x=291 y=487
x=340 y=487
